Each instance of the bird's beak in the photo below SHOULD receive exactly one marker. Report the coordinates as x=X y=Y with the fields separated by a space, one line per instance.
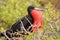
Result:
x=41 y=9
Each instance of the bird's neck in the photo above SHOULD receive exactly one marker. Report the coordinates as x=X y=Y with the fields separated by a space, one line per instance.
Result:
x=30 y=18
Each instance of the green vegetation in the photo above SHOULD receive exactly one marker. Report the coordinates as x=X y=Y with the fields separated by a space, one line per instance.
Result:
x=12 y=10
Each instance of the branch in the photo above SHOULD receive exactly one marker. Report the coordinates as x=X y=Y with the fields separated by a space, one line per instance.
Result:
x=6 y=35
x=52 y=28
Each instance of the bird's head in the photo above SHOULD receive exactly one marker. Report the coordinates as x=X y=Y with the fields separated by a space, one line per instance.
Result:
x=30 y=8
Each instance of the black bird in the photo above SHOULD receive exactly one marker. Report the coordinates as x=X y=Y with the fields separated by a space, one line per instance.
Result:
x=31 y=17
x=17 y=26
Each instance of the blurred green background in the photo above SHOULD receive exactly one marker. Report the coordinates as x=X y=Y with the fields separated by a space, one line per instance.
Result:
x=12 y=10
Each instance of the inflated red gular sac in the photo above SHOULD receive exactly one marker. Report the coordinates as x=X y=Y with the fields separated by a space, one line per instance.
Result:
x=37 y=16
x=38 y=19
x=34 y=16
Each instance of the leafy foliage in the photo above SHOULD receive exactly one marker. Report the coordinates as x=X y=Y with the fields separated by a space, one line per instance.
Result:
x=12 y=10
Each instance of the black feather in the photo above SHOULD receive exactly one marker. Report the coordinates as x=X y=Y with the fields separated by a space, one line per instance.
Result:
x=17 y=26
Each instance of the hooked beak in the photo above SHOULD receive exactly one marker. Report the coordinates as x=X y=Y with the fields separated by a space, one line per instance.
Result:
x=41 y=9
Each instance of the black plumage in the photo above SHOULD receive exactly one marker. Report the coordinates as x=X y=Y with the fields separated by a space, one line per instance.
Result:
x=17 y=26
x=25 y=22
